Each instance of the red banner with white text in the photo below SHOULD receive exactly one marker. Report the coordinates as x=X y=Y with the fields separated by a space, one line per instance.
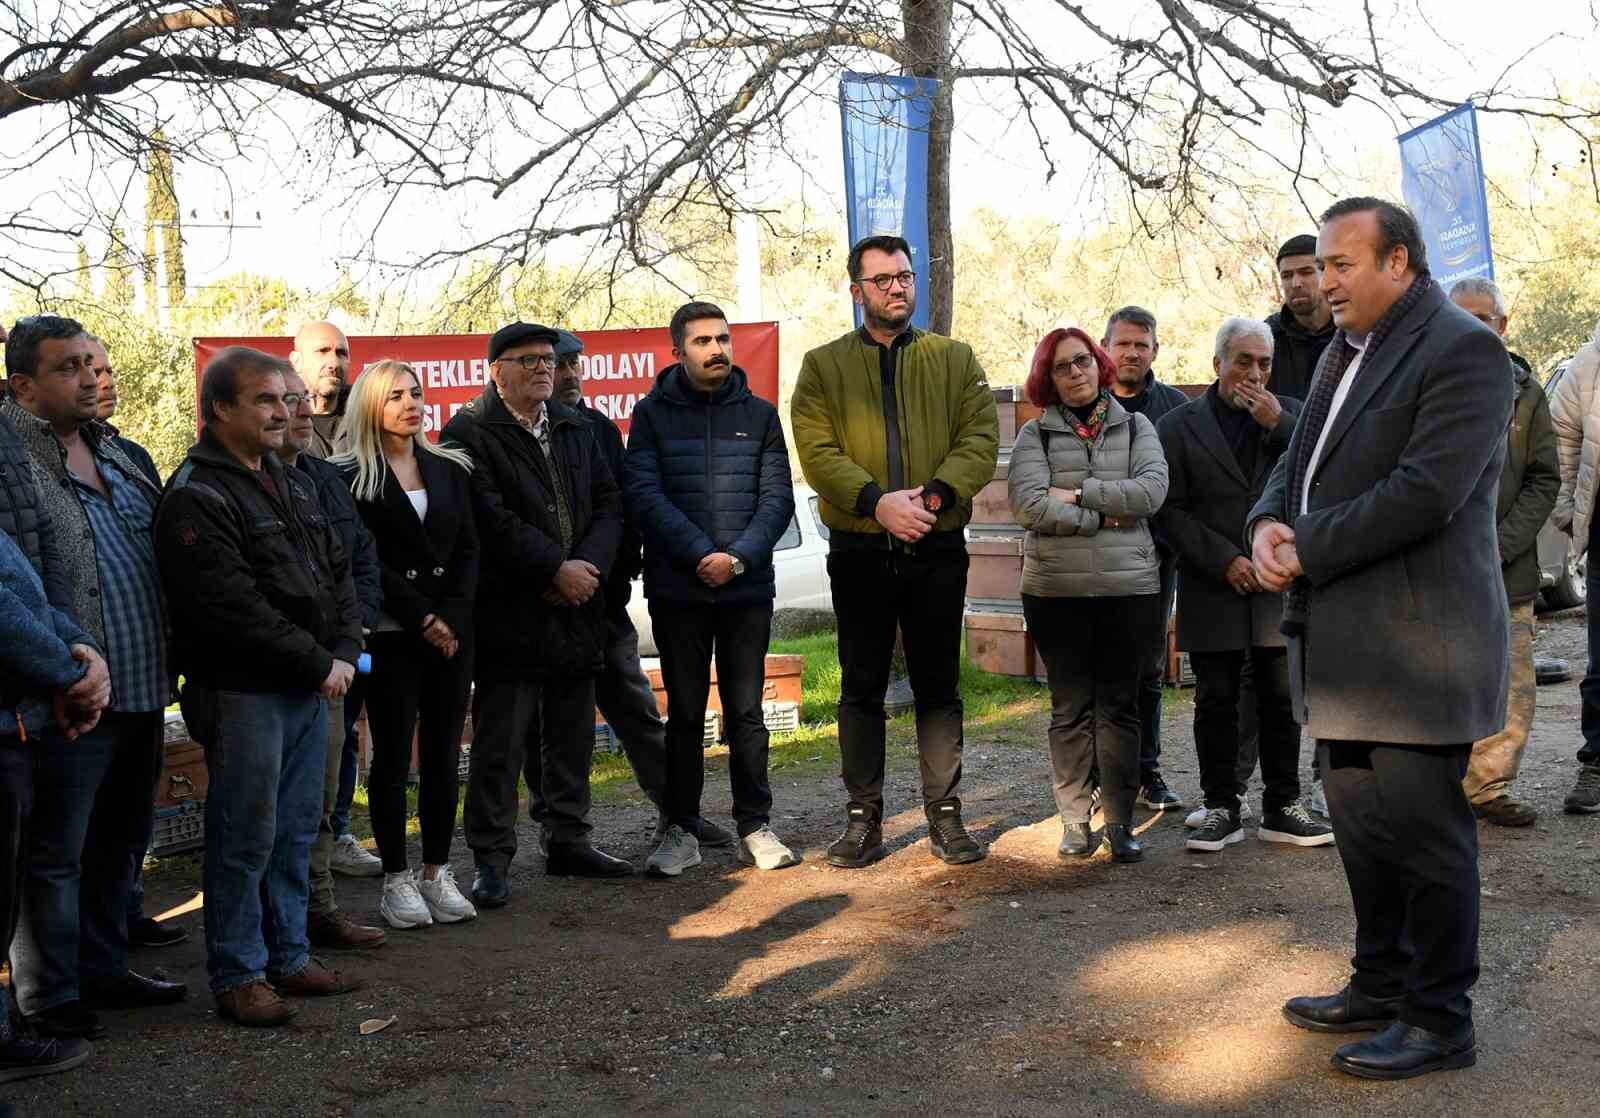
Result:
x=619 y=366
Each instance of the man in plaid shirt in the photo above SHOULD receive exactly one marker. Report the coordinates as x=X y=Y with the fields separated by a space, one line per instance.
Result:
x=92 y=801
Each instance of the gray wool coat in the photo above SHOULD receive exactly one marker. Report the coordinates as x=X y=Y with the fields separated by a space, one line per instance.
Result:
x=1069 y=552
x=1405 y=638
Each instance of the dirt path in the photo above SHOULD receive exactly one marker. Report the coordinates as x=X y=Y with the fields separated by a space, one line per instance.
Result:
x=1020 y=986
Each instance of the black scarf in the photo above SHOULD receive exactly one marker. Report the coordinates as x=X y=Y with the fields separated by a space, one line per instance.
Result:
x=1331 y=368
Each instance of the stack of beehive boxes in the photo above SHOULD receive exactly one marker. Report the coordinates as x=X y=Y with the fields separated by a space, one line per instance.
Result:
x=997 y=637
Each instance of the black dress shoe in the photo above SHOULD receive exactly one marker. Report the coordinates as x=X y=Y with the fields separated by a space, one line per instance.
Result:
x=145 y=932
x=1402 y=1051
x=1076 y=841
x=131 y=991
x=1348 y=1011
x=583 y=860
x=490 y=888
x=69 y=1019
x=1121 y=841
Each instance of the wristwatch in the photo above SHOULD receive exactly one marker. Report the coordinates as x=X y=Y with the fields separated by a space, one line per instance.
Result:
x=933 y=502
x=738 y=565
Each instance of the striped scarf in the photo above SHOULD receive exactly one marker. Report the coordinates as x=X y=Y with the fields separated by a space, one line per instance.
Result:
x=1335 y=362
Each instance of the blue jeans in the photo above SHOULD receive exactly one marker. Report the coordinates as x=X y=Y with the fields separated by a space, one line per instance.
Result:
x=266 y=755
x=92 y=809
x=339 y=820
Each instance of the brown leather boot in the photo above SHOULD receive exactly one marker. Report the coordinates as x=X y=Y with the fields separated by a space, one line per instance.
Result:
x=255 y=1003
x=317 y=981
x=338 y=932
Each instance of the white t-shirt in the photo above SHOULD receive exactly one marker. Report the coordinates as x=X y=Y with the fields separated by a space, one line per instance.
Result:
x=419 y=501
x=1339 y=395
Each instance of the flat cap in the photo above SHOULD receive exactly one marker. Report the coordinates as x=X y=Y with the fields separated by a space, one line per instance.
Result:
x=519 y=333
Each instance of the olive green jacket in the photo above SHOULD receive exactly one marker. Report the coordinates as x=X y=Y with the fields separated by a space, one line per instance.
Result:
x=1529 y=483
x=948 y=428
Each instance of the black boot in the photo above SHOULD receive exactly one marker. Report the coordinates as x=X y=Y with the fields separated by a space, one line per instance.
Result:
x=947 y=835
x=1121 y=841
x=1077 y=841
x=861 y=844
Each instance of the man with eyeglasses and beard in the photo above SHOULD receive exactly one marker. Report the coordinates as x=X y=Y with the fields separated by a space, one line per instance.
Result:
x=895 y=429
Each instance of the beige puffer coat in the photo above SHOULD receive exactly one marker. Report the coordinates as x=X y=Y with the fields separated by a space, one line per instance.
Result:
x=1575 y=412
x=1069 y=552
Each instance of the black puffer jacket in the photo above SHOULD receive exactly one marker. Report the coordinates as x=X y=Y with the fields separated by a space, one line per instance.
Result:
x=707 y=472
x=519 y=534
x=258 y=585
x=25 y=520
x=628 y=563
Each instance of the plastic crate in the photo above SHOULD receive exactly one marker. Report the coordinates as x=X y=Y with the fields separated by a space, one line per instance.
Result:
x=179 y=828
x=605 y=739
x=713 y=732
x=781 y=718
x=466 y=762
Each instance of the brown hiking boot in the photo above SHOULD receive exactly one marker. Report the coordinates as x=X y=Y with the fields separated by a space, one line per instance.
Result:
x=338 y=932
x=255 y=1003
x=1506 y=812
x=317 y=981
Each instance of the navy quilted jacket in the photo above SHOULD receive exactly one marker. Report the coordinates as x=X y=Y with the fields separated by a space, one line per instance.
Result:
x=706 y=473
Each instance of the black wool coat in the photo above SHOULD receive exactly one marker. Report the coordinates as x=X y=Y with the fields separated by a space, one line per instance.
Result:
x=518 y=633
x=1208 y=497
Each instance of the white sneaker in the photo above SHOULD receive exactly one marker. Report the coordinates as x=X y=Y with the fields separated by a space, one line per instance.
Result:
x=1196 y=818
x=763 y=850
x=352 y=859
x=678 y=851
x=444 y=900
x=1319 y=799
x=402 y=904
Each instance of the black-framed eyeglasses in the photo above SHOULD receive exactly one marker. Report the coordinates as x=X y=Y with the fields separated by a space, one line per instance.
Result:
x=1083 y=363
x=888 y=279
x=532 y=361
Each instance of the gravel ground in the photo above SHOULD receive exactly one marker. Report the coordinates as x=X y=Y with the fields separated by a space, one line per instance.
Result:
x=1018 y=986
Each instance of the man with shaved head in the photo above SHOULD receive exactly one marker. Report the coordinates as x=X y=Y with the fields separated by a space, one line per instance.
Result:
x=321 y=356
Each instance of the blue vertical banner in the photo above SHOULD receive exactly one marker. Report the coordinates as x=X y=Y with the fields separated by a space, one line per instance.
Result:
x=886 y=120
x=1441 y=175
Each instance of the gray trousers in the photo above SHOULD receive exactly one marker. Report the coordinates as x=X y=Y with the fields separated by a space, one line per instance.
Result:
x=321 y=901
x=624 y=698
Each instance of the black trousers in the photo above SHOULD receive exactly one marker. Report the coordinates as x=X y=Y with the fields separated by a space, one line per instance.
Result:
x=539 y=727
x=626 y=701
x=1409 y=843
x=1092 y=649
x=1217 y=732
x=687 y=637
x=1152 y=655
x=16 y=803
x=412 y=689
x=924 y=595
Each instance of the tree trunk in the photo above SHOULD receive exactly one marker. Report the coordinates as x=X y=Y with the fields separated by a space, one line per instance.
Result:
x=927 y=43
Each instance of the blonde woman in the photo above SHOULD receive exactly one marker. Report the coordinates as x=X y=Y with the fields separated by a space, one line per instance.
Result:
x=415 y=500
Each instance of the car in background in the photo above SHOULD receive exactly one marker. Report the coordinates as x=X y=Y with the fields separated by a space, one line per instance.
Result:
x=799 y=562
x=1563 y=577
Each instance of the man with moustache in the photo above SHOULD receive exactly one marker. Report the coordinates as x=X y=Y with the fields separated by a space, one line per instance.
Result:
x=549 y=520
x=1131 y=341
x=1379 y=522
x=708 y=482
x=622 y=692
x=274 y=638
x=1303 y=326
x=71 y=952
x=896 y=430
x=326 y=925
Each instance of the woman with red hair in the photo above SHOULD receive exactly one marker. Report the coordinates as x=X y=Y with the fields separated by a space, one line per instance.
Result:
x=1085 y=478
